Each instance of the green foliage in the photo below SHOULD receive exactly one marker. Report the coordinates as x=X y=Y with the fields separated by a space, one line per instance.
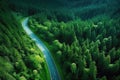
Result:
x=85 y=49
x=5 y=70
x=22 y=78
x=20 y=66
x=73 y=67
x=15 y=47
x=5 y=65
x=34 y=62
x=57 y=44
x=93 y=71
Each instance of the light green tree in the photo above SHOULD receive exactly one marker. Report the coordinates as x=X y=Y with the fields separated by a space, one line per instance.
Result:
x=73 y=67
x=93 y=71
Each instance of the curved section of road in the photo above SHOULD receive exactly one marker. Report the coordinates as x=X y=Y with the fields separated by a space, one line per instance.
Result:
x=51 y=65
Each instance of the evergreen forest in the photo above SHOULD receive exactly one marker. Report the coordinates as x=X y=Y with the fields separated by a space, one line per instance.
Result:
x=83 y=37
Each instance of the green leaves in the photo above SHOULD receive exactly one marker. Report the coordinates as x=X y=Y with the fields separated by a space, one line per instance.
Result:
x=15 y=48
x=93 y=71
x=5 y=66
x=5 y=70
x=34 y=62
x=73 y=68
x=85 y=49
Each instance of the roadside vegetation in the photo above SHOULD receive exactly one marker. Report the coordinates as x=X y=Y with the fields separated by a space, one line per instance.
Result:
x=83 y=37
x=20 y=58
x=85 y=50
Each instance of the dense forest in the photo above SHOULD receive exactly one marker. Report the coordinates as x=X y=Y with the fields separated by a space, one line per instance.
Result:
x=85 y=50
x=83 y=37
x=20 y=59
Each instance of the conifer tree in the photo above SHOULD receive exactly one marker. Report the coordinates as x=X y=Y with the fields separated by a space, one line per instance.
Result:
x=73 y=68
x=93 y=71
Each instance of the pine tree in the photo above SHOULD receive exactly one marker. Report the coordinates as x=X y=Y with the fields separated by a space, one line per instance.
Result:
x=93 y=71
x=85 y=75
x=73 y=68
x=113 y=68
x=108 y=60
x=112 y=54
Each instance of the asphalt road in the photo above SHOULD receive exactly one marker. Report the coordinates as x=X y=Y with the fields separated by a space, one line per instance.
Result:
x=51 y=65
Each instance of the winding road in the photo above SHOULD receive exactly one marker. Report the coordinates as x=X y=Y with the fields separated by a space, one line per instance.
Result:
x=51 y=65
